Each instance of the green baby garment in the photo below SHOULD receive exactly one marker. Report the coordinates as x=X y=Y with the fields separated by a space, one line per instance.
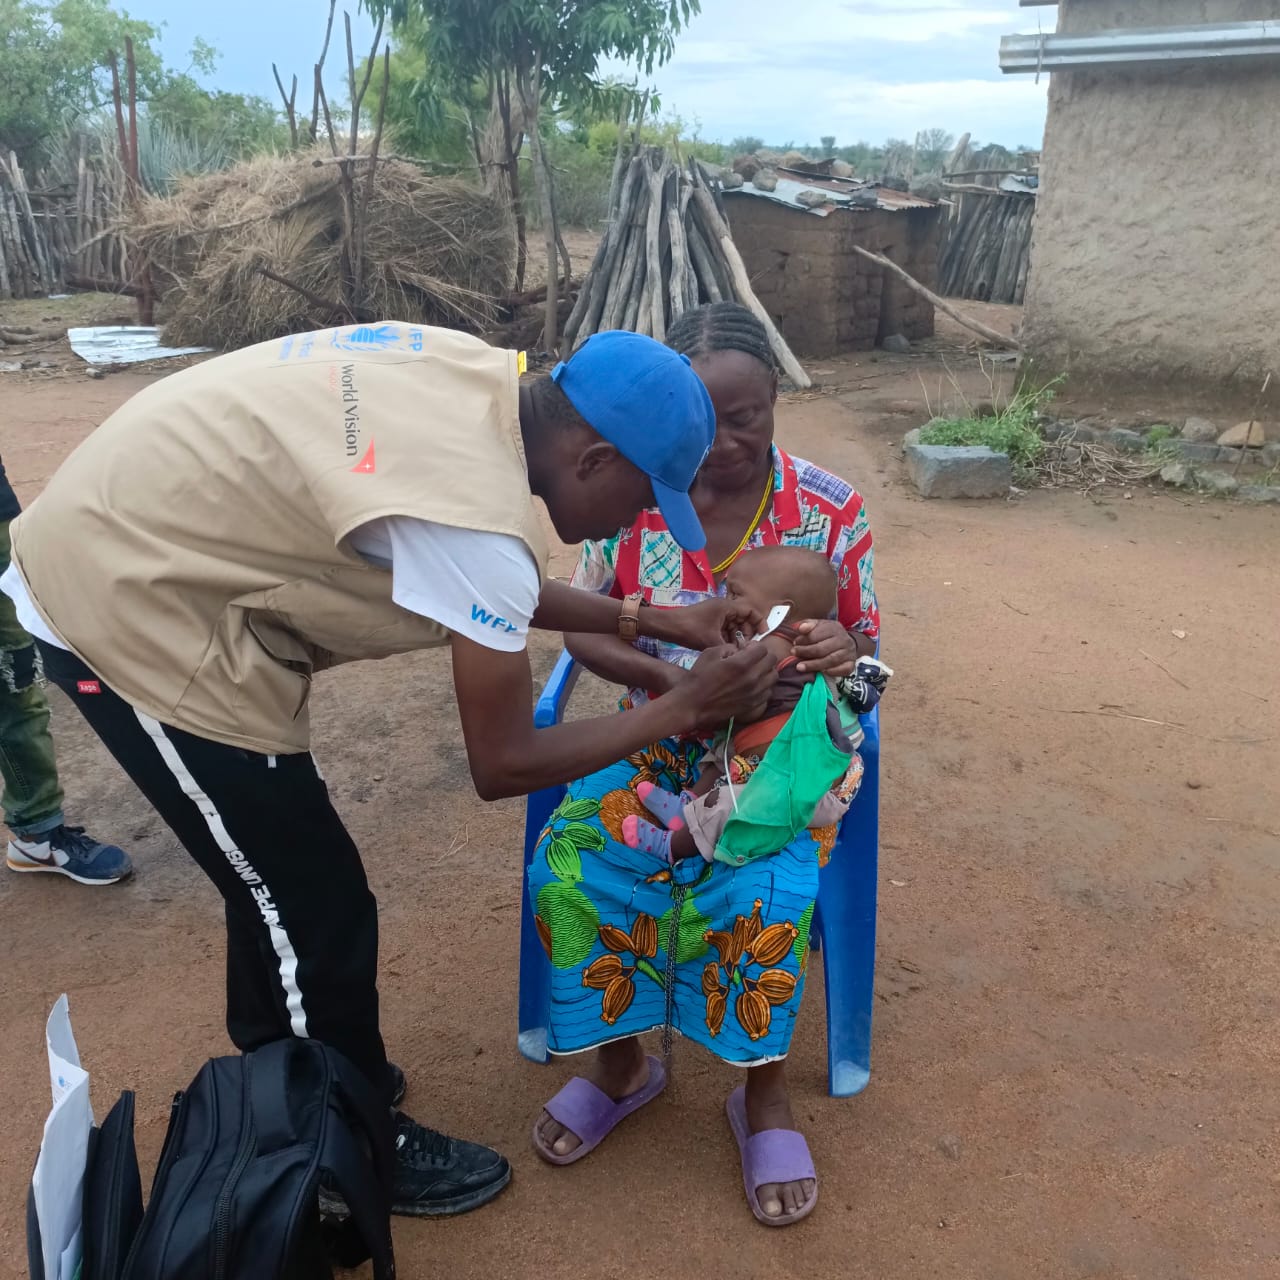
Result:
x=775 y=804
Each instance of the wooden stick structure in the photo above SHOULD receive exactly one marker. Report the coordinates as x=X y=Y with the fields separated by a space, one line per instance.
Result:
x=667 y=248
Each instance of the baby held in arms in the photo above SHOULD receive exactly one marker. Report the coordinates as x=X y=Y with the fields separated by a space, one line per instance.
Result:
x=762 y=783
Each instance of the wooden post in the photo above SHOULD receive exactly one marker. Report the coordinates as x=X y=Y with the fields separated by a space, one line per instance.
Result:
x=742 y=284
x=653 y=254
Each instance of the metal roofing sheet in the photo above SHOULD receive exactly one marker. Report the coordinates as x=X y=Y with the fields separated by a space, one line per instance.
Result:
x=841 y=193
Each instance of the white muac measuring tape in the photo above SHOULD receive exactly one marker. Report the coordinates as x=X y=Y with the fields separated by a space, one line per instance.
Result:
x=777 y=616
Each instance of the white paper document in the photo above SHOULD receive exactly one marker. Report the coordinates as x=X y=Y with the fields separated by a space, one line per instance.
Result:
x=58 y=1181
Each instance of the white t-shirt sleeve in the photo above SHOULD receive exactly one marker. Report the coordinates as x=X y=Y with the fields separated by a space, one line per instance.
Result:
x=483 y=586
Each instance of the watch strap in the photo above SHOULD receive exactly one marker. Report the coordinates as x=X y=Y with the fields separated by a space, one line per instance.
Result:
x=629 y=618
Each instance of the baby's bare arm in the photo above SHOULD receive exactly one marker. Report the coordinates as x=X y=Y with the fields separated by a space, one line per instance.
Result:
x=712 y=772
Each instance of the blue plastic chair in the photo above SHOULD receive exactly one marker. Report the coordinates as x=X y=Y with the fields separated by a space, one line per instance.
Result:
x=844 y=921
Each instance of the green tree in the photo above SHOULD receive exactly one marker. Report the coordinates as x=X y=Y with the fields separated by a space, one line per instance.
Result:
x=932 y=148
x=828 y=141
x=55 y=70
x=240 y=123
x=418 y=125
x=896 y=158
x=528 y=53
x=55 y=65
x=747 y=145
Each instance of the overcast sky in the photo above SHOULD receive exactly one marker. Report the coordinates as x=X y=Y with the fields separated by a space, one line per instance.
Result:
x=784 y=70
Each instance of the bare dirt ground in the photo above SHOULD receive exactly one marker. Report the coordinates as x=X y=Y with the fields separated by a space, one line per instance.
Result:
x=1076 y=1024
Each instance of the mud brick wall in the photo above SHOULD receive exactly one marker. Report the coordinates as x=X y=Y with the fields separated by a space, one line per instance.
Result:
x=1154 y=258
x=912 y=238
x=822 y=296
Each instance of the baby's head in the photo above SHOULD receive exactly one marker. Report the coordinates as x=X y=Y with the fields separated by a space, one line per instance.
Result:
x=773 y=575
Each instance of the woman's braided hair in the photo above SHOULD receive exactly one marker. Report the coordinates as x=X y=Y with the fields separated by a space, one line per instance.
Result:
x=721 y=326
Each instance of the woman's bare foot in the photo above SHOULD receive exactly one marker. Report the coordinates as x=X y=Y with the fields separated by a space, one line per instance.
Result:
x=621 y=1069
x=769 y=1107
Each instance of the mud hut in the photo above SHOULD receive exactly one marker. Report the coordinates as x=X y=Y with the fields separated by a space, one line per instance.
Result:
x=797 y=240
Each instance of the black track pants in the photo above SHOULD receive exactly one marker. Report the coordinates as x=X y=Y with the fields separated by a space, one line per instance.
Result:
x=302 y=924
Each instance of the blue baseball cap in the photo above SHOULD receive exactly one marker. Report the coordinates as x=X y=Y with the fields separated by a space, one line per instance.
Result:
x=646 y=401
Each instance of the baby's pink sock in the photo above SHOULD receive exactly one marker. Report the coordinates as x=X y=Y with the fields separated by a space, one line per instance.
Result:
x=664 y=806
x=642 y=835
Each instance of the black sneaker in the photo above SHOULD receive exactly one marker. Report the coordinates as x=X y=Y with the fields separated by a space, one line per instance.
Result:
x=436 y=1176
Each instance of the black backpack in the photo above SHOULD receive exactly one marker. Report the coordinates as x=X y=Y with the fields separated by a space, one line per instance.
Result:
x=236 y=1192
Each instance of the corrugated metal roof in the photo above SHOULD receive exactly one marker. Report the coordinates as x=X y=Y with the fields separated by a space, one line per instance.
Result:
x=841 y=193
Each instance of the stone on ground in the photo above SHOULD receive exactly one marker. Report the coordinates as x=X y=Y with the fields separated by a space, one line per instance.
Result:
x=1217 y=482
x=898 y=344
x=1125 y=441
x=940 y=471
x=1176 y=473
x=1200 y=431
x=1244 y=434
x=1259 y=493
x=1193 y=451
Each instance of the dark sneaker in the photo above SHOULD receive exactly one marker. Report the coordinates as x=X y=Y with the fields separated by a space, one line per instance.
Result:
x=435 y=1175
x=398 y=1084
x=68 y=851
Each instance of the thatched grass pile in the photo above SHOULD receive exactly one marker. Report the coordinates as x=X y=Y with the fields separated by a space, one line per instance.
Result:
x=434 y=250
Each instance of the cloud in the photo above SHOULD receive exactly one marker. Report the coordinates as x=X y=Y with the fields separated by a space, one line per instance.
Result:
x=863 y=69
x=908 y=23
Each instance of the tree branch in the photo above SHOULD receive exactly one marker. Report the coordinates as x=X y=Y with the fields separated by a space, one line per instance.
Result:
x=333 y=308
x=319 y=92
x=324 y=102
x=289 y=101
x=358 y=98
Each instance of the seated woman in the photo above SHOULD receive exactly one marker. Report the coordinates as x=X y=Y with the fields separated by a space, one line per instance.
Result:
x=635 y=947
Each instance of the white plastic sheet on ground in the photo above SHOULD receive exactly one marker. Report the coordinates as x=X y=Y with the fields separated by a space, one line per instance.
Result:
x=58 y=1180
x=124 y=344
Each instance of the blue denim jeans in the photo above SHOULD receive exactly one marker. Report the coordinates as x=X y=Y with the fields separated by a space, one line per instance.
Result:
x=32 y=793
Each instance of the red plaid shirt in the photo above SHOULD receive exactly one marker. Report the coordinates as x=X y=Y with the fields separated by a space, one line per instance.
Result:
x=811 y=508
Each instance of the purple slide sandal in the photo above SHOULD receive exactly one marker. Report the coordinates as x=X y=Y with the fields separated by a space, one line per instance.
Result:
x=593 y=1115
x=771 y=1156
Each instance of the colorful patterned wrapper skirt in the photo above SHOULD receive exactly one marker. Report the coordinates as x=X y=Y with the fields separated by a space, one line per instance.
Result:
x=605 y=914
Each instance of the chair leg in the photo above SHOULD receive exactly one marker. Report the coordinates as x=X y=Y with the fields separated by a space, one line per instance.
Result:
x=845 y=922
x=848 y=982
x=535 y=971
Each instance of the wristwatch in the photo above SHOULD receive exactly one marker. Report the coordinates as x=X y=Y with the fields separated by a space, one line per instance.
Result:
x=629 y=618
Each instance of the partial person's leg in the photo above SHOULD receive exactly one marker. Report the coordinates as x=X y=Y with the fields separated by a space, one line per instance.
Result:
x=255 y=1010
x=42 y=842
x=302 y=923
x=769 y=1107
x=296 y=875
x=32 y=795
x=620 y=1070
x=619 y=890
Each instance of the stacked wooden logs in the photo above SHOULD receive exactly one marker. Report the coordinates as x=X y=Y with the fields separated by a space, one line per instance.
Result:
x=58 y=229
x=987 y=250
x=667 y=249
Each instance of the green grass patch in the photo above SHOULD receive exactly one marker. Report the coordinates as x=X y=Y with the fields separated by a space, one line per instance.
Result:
x=1021 y=442
x=1013 y=429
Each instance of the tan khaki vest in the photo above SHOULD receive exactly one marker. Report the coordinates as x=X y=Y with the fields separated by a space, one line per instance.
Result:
x=191 y=550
